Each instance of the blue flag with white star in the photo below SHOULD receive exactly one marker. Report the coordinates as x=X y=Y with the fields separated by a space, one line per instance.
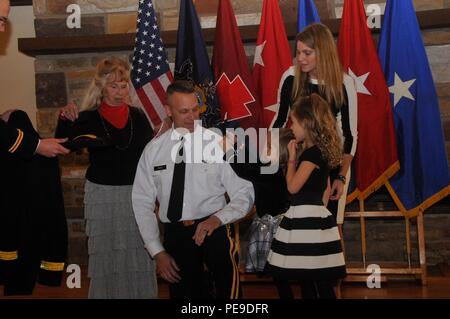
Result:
x=192 y=63
x=423 y=178
x=306 y=14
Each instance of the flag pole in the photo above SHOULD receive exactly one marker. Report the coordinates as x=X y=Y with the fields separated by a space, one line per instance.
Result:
x=408 y=241
x=363 y=231
x=422 y=254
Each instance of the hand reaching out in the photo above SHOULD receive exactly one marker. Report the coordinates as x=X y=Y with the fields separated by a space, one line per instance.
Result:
x=50 y=147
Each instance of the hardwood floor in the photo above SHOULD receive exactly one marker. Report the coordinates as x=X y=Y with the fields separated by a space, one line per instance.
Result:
x=438 y=288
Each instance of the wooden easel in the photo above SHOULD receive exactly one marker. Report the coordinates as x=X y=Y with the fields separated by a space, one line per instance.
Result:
x=360 y=273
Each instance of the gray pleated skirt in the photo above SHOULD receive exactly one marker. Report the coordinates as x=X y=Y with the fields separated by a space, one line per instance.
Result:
x=119 y=265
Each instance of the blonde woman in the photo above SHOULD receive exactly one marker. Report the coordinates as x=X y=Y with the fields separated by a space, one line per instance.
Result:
x=115 y=135
x=318 y=70
x=307 y=247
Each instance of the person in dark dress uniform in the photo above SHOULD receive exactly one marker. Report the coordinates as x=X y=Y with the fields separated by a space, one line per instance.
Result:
x=33 y=229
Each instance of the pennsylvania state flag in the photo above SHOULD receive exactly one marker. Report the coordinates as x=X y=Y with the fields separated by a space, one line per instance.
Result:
x=423 y=178
x=192 y=63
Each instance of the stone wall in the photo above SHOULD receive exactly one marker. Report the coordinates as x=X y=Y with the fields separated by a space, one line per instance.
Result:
x=64 y=78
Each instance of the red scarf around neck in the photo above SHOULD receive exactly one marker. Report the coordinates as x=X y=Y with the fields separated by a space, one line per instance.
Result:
x=117 y=116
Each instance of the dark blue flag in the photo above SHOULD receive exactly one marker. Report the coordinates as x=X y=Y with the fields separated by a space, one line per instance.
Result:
x=307 y=14
x=192 y=62
x=423 y=178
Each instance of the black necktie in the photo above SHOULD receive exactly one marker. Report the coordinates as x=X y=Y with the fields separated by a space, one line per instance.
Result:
x=177 y=192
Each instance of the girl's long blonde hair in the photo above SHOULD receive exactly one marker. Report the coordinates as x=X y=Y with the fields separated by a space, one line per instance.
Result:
x=314 y=114
x=328 y=66
x=118 y=69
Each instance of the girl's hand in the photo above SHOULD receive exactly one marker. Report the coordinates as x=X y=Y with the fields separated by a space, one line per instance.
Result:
x=292 y=150
x=69 y=112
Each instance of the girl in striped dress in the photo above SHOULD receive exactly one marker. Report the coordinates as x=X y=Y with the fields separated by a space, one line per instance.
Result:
x=307 y=246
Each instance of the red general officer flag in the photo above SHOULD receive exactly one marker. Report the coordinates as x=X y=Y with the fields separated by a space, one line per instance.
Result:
x=376 y=157
x=273 y=61
x=235 y=88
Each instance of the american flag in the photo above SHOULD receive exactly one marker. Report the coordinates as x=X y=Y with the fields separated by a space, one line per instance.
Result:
x=150 y=72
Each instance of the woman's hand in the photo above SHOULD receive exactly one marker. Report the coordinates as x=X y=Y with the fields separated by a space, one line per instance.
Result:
x=69 y=112
x=337 y=190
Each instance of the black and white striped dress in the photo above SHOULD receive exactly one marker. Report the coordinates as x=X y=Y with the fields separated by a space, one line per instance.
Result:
x=307 y=242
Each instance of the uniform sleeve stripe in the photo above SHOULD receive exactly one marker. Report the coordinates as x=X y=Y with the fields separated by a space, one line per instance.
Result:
x=17 y=143
x=8 y=255
x=52 y=266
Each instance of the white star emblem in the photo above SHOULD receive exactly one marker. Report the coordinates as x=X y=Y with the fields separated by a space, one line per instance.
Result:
x=401 y=89
x=359 y=81
x=258 y=54
x=274 y=108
